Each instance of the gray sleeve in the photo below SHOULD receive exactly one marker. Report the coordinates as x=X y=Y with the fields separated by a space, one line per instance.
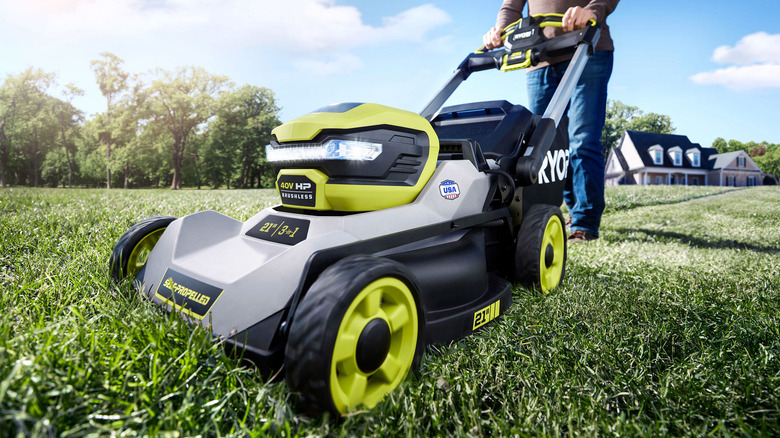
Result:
x=511 y=11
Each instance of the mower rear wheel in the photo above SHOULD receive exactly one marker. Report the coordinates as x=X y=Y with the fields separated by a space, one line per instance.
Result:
x=355 y=335
x=132 y=249
x=540 y=253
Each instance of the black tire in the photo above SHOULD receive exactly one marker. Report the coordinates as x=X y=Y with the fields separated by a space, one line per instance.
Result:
x=132 y=249
x=540 y=252
x=349 y=309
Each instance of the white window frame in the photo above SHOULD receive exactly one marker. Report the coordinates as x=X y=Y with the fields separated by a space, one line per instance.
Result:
x=657 y=154
x=694 y=157
x=675 y=154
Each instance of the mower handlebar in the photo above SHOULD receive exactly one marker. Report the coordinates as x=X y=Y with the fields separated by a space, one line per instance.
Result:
x=525 y=46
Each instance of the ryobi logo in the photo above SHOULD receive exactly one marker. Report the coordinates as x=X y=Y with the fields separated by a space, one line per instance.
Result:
x=523 y=35
x=555 y=167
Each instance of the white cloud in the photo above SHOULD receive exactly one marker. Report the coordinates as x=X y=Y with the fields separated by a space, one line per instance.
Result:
x=338 y=64
x=742 y=78
x=759 y=47
x=311 y=25
x=755 y=63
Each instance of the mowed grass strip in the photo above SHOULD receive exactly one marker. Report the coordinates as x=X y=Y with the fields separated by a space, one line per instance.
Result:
x=668 y=324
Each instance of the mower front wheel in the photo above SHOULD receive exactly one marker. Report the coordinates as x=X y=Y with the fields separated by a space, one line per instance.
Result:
x=133 y=248
x=540 y=252
x=355 y=336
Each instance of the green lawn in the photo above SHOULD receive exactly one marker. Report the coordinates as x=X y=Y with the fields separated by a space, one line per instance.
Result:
x=668 y=324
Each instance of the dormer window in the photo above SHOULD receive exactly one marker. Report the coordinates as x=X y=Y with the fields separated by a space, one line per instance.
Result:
x=694 y=156
x=675 y=154
x=656 y=153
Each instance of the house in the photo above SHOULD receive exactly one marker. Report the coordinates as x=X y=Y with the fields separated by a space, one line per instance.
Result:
x=646 y=158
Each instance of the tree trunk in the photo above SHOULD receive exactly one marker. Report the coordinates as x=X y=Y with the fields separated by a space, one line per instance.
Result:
x=67 y=156
x=3 y=153
x=177 y=156
x=36 y=159
x=127 y=175
x=108 y=164
x=176 y=182
x=179 y=142
x=197 y=170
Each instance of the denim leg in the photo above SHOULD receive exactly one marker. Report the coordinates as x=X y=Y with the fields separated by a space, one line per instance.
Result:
x=541 y=86
x=584 y=187
x=584 y=190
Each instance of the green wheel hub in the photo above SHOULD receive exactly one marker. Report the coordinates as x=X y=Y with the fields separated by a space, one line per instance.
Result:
x=375 y=344
x=552 y=254
x=140 y=252
x=540 y=250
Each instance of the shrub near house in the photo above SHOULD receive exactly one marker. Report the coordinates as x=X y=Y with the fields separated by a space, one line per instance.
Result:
x=645 y=158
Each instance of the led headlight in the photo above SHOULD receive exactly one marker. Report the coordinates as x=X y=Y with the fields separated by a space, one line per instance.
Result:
x=333 y=149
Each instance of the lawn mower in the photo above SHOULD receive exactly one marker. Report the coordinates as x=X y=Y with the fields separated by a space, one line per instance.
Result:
x=395 y=230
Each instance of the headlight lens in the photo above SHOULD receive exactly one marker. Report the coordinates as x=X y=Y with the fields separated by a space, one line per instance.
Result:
x=334 y=149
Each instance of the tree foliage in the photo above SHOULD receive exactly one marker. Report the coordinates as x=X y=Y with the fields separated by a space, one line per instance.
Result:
x=622 y=117
x=180 y=101
x=235 y=153
x=766 y=155
x=184 y=127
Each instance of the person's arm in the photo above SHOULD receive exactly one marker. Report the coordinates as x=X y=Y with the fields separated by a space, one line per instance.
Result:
x=511 y=11
x=601 y=8
x=577 y=17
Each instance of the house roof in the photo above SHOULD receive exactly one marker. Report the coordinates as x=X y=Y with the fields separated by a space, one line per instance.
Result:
x=722 y=160
x=645 y=140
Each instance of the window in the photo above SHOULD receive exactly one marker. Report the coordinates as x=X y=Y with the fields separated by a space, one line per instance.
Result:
x=740 y=161
x=751 y=181
x=730 y=181
x=659 y=180
x=672 y=180
x=675 y=154
x=656 y=153
x=694 y=157
x=695 y=181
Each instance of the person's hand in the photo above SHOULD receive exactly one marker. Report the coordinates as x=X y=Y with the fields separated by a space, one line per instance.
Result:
x=576 y=18
x=492 y=39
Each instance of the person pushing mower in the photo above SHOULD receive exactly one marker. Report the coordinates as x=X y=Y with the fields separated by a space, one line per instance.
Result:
x=584 y=189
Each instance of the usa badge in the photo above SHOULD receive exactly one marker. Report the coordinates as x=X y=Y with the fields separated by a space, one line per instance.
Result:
x=449 y=189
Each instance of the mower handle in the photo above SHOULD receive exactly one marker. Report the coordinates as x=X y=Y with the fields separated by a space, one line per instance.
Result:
x=525 y=46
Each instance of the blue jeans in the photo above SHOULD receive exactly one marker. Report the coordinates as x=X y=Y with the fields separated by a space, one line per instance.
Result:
x=584 y=189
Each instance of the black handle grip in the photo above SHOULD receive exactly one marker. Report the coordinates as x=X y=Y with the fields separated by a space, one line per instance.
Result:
x=527 y=169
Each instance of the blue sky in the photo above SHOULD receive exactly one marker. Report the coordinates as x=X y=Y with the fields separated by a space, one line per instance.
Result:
x=712 y=66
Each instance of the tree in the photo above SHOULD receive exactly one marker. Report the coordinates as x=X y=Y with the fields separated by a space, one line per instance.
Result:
x=112 y=81
x=181 y=101
x=622 y=117
x=239 y=135
x=720 y=145
x=68 y=118
x=22 y=98
x=131 y=112
x=769 y=162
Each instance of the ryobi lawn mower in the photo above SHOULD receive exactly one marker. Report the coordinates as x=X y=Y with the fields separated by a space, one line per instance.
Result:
x=395 y=230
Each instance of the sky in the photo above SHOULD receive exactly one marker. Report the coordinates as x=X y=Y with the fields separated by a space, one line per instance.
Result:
x=713 y=66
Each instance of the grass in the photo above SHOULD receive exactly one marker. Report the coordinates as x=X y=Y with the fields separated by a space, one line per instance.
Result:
x=668 y=324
